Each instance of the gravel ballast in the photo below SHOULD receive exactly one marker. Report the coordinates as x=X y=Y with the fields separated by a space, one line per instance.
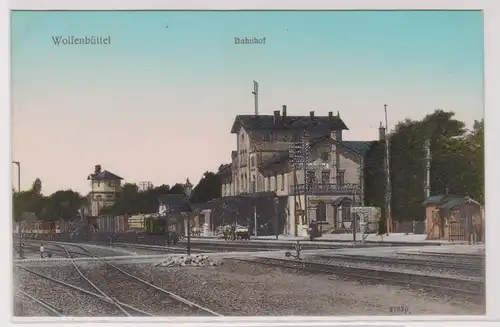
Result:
x=408 y=267
x=237 y=288
x=70 y=302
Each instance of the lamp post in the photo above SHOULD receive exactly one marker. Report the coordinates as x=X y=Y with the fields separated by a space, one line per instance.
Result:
x=18 y=164
x=276 y=202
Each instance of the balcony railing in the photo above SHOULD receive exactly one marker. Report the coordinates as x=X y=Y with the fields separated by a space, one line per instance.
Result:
x=324 y=189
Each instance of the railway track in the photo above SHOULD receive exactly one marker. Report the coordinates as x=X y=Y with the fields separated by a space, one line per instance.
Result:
x=466 y=267
x=452 y=256
x=50 y=308
x=112 y=303
x=83 y=291
x=458 y=258
x=196 y=248
x=450 y=286
x=135 y=283
x=104 y=288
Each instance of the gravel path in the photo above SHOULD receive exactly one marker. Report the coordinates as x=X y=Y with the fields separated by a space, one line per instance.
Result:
x=70 y=302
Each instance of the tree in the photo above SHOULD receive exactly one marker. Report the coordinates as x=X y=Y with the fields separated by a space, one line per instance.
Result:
x=29 y=201
x=36 y=187
x=208 y=188
x=132 y=201
x=61 y=205
x=457 y=164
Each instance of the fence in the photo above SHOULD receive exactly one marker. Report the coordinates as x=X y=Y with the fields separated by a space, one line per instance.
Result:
x=410 y=227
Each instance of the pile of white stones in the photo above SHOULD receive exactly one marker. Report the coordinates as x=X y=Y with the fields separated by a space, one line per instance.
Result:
x=198 y=260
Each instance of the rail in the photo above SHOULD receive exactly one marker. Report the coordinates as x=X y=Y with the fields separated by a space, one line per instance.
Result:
x=47 y=306
x=84 y=291
x=458 y=265
x=92 y=284
x=126 y=273
x=448 y=285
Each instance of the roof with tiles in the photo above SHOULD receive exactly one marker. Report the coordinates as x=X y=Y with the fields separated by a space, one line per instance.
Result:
x=272 y=122
x=103 y=175
x=358 y=147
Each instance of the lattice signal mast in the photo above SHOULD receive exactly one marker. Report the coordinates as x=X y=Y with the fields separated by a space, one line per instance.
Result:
x=144 y=186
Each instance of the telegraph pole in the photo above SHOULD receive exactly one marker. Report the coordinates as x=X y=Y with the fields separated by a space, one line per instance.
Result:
x=256 y=96
x=387 y=175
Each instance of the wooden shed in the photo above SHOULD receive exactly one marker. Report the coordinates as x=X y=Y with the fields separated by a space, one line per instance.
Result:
x=453 y=218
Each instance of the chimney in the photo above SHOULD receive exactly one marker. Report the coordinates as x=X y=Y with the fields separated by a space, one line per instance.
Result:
x=381 y=132
x=338 y=113
x=284 y=111
x=311 y=114
x=97 y=169
x=330 y=115
x=276 y=116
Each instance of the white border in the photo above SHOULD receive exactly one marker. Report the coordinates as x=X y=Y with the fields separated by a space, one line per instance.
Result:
x=492 y=85
x=244 y=5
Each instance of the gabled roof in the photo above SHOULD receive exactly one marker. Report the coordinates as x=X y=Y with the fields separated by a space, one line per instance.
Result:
x=104 y=175
x=276 y=160
x=447 y=201
x=360 y=148
x=433 y=200
x=451 y=203
x=267 y=122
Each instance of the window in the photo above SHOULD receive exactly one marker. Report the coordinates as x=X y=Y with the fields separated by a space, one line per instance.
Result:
x=340 y=178
x=321 y=211
x=275 y=182
x=325 y=177
x=346 y=213
x=311 y=177
x=110 y=183
x=98 y=183
x=253 y=185
x=282 y=182
x=252 y=161
x=324 y=156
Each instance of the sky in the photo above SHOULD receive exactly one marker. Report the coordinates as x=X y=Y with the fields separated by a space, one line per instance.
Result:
x=158 y=102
